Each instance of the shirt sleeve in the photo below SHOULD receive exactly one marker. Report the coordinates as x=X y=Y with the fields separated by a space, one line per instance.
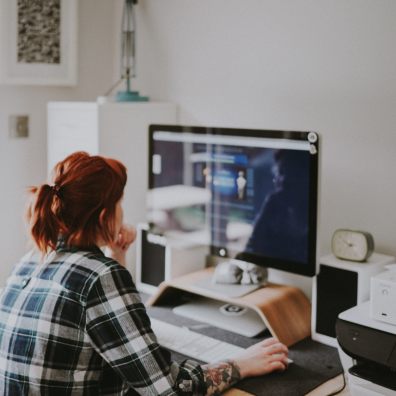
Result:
x=120 y=331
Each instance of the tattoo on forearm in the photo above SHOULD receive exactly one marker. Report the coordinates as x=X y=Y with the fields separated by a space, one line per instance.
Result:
x=220 y=376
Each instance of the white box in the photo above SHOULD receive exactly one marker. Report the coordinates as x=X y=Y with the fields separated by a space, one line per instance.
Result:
x=383 y=297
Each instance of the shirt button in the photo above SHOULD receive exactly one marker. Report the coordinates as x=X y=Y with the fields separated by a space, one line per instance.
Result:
x=181 y=386
x=25 y=282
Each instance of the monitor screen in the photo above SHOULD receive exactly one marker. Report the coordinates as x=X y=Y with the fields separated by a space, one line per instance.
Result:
x=248 y=194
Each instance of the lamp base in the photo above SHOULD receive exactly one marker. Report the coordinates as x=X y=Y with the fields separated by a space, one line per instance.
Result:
x=130 y=96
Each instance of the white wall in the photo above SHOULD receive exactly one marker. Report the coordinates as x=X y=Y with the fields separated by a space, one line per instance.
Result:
x=23 y=161
x=327 y=66
x=317 y=65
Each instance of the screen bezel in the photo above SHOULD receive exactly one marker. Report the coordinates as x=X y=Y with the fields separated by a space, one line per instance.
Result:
x=308 y=269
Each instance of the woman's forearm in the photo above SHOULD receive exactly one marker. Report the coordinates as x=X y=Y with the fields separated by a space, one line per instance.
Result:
x=221 y=376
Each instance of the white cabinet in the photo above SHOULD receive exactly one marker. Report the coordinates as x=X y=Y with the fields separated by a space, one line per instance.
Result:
x=71 y=126
x=118 y=130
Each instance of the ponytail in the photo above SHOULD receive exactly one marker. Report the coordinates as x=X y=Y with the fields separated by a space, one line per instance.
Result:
x=45 y=226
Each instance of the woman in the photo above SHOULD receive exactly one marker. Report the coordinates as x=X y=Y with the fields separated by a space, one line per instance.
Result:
x=71 y=320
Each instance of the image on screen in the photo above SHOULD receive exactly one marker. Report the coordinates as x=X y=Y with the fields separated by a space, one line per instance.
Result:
x=250 y=196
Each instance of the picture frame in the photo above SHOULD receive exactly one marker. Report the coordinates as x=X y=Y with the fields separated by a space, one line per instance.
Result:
x=38 y=42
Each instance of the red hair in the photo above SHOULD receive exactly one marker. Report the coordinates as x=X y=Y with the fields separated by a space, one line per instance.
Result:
x=80 y=206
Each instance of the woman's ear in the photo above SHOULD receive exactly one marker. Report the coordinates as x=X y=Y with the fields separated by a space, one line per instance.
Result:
x=102 y=217
x=106 y=227
x=103 y=234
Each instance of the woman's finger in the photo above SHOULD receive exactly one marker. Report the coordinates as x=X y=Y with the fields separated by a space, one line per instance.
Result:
x=277 y=348
x=129 y=233
x=277 y=365
x=269 y=341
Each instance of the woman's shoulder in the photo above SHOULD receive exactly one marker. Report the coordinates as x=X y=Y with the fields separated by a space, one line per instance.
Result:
x=73 y=270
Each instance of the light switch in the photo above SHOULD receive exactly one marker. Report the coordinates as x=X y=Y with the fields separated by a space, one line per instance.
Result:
x=19 y=126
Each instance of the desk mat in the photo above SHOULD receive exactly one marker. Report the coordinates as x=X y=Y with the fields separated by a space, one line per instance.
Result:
x=314 y=363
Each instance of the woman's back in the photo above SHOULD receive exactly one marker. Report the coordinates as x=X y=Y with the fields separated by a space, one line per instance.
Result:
x=44 y=343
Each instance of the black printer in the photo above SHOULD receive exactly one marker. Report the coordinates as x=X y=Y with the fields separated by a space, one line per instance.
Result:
x=368 y=352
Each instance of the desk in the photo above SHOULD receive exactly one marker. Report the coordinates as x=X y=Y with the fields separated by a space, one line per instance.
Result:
x=329 y=387
x=324 y=389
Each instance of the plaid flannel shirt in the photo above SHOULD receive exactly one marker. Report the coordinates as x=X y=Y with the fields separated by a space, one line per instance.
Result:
x=75 y=325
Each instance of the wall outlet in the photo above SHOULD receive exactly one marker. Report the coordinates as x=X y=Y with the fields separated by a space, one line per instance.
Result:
x=18 y=126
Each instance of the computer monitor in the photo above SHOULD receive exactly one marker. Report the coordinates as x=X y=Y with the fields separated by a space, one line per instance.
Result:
x=247 y=194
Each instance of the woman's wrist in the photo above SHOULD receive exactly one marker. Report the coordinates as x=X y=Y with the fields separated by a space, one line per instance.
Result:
x=118 y=248
x=221 y=376
x=243 y=373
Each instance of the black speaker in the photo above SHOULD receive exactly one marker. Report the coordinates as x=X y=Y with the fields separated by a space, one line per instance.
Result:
x=152 y=260
x=160 y=258
x=340 y=285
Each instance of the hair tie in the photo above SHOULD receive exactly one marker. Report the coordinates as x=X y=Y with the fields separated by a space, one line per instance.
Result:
x=56 y=190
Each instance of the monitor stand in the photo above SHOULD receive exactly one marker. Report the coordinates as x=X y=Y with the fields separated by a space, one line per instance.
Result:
x=284 y=310
x=227 y=315
x=235 y=318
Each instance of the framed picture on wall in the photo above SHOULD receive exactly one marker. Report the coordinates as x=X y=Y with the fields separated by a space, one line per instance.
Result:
x=38 y=41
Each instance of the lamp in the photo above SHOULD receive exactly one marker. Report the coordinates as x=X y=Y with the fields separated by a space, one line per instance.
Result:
x=128 y=54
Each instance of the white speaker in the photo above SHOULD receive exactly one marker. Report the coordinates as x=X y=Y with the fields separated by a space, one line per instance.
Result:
x=340 y=285
x=161 y=259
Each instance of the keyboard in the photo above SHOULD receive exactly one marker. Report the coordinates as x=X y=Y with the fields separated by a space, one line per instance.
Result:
x=192 y=344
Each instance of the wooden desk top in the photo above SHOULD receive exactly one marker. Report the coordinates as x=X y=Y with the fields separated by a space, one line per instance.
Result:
x=328 y=387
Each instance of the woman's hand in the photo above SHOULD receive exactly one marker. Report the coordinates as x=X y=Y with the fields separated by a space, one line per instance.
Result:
x=262 y=358
x=118 y=248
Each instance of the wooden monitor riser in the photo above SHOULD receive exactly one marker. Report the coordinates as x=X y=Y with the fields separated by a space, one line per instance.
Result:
x=285 y=310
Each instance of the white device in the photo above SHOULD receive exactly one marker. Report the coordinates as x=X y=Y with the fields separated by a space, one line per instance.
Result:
x=235 y=318
x=160 y=258
x=340 y=285
x=383 y=297
x=193 y=344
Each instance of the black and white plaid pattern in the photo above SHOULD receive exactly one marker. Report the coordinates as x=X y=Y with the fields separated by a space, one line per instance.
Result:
x=75 y=325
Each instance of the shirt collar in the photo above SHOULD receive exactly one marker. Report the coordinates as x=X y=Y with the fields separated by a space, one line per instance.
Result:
x=62 y=247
